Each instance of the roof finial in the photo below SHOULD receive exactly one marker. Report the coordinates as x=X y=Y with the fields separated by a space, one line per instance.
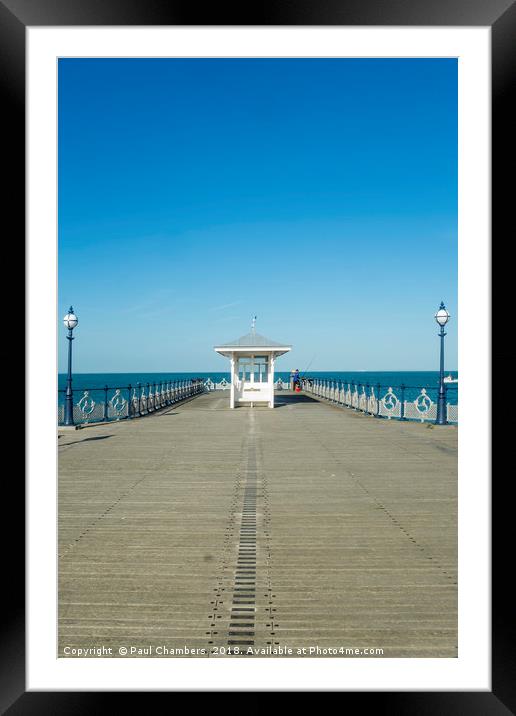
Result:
x=253 y=325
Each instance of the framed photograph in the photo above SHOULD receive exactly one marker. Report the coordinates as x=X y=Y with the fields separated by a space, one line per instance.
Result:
x=272 y=236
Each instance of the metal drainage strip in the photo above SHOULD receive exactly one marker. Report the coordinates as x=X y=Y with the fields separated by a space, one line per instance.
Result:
x=243 y=579
x=242 y=618
x=243 y=610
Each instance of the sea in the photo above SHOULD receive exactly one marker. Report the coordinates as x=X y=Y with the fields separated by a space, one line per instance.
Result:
x=414 y=381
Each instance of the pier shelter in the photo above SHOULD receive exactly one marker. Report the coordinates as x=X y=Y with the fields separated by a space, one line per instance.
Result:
x=252 y=359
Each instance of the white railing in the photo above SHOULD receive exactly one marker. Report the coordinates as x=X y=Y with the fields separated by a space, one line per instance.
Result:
x=93 y=405
x=210 y=385
x=385 y=403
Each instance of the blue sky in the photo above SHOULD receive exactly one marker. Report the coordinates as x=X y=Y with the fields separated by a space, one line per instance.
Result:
x=319 y=194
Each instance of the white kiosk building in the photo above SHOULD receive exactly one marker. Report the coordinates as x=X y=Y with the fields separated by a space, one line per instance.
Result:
x=252 y=368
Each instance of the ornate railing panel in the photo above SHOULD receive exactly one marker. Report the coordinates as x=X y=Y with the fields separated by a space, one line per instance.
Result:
x=423 y=408
x=118 y=406
x=87 y=410
x=372 y=403
x=362 y=400
x=390 y=406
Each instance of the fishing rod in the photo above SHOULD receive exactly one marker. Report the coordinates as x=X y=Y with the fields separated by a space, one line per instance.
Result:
x=308 y=366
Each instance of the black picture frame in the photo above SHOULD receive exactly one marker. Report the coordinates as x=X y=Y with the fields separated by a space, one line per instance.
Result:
x=500 y=15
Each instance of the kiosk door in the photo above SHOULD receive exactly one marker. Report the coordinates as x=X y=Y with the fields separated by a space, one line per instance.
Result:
x=254 y=378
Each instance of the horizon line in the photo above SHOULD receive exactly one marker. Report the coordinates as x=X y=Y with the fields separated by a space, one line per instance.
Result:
x=327 y=370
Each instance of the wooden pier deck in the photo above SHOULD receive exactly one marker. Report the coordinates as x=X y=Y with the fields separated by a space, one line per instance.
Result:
x=307 y=526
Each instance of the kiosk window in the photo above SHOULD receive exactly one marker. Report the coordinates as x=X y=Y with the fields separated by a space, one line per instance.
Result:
x=253 y=368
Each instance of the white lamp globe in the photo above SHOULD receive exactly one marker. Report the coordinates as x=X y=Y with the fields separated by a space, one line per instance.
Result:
x=70 y=320
x=442 y=316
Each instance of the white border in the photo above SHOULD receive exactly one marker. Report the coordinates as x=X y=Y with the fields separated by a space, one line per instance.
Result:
x=471 y=671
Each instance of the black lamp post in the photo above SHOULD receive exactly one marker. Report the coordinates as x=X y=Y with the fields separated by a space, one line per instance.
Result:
x=442 y=317
x=70 y=321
